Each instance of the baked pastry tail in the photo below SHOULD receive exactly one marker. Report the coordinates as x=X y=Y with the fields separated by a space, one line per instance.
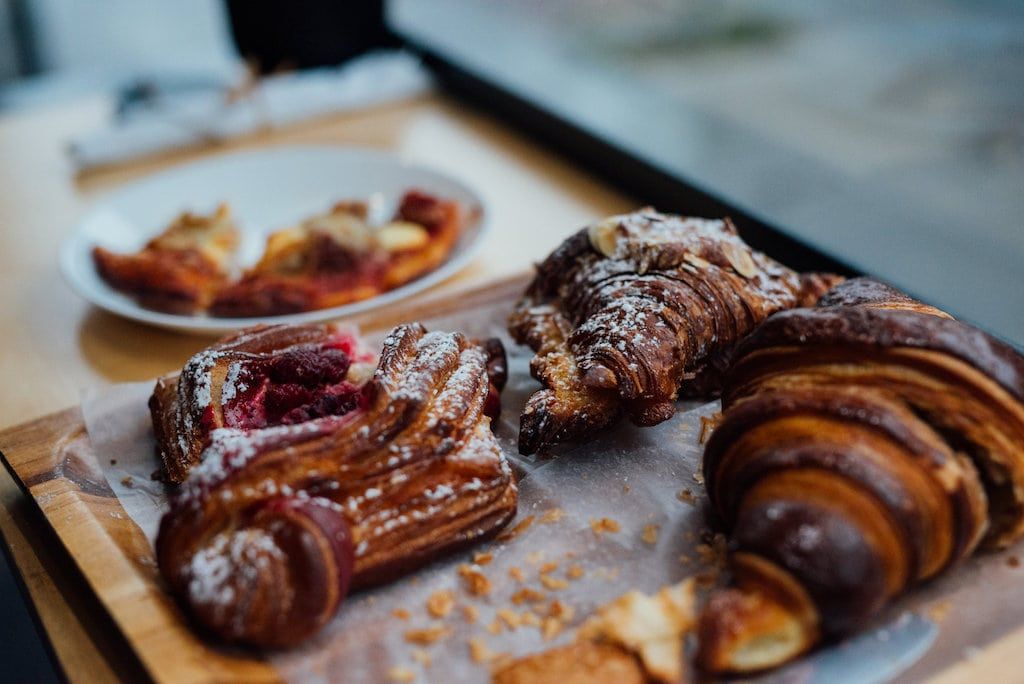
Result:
x=867 y=444
x=627 y=314
x=291 y=501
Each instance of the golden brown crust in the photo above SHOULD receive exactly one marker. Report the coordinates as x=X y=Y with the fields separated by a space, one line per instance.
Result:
x=268 y=532
x=179 y=270
x=628 y=312
x=338 y=258
x=584 y=662
x=866 y=444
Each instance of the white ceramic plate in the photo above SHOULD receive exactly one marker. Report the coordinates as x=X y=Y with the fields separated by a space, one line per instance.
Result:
x=268 y=190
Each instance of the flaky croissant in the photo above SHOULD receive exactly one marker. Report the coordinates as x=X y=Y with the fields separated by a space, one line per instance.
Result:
x=274 y=523
x=633 y=310
x=866 y=444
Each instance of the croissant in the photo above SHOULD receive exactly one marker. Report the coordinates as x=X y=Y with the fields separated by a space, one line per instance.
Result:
x=285 y=511
x=178 y=271
x=627 y=314
x=866 y=445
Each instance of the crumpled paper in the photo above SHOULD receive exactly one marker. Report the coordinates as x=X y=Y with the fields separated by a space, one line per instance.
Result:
x=646 y=481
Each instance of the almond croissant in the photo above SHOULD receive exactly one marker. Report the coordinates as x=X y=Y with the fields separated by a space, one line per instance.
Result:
x=866 y=444
x=311 y=484
x=635 y=309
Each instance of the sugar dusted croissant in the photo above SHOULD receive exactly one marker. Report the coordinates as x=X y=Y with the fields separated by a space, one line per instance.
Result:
x=275 y=521
x=866 y=445
x=635 y=309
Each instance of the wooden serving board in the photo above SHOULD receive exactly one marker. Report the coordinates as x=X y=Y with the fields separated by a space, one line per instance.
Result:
x=52 y=460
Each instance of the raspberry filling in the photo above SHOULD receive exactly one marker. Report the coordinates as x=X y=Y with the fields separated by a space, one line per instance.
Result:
x=292 y=387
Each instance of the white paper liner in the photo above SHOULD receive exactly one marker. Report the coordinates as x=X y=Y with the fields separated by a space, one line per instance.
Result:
x=633 y=476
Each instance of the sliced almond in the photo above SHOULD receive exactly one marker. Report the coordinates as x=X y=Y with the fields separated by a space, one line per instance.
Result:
x=740 y=259
x=604 y=235
x=399 y=236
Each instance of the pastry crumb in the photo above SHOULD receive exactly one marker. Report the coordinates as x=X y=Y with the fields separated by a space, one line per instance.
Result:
x=552 y=515
x=509 y=617
x=495 y=626
x=479 y=651
x=1013 y=561
x=534 y=557
x=471 y=613
x=574 y=572
x=528 y=595
x=602 y=525
x=708 y=425
x=686 y=496
x=422 y=657
x=401 y=613
x=519 y=528
x=476 y=583
x=529 y=618
x=650 y=535
x=559 y=610
x=516 y=573
x=483 y=557
x=427 y=635
x=550 y=566
x=440 y=603
x=127 y=481
x=553 y=583
x=550 y=628
x=399 y=673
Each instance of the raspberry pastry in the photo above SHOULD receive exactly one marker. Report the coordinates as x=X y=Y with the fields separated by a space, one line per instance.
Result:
x=627 y=314
x=310 y=480
x=338 y=258
x=179 y=270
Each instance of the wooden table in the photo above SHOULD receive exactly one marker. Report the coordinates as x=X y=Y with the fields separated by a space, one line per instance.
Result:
x=54 y=344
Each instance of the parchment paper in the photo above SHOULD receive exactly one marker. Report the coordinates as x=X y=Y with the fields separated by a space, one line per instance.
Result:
x=646 y=480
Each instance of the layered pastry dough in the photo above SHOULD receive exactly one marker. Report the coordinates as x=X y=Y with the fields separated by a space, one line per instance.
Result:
x=635 y=309
x=301 y=480
x=867 y=444
x=180 y=270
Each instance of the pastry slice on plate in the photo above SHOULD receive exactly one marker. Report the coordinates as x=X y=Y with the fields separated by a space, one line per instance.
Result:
x=340 y=257
x=180 y=270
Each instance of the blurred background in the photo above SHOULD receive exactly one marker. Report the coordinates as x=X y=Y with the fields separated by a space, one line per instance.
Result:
x=890 y=135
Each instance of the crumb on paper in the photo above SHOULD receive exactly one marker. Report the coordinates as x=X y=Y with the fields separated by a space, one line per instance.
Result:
x=471 y=613
x=574 y=572
x=686 y=496
x=495 y=626
x=127 y=481
x=698 y=477
x=548 y=567
x=553 y=583
x=534 y=557
x=427 y=635
x=1013 y=561
x=559 y=610
x=516 y=573
x=401 y=613
x=550 y=628
x=528 y=595
x=529 y=618
x=399 y=673
x=509 y=617
x=422 y=657
x=708 y=425
x=479 y=652
x=602 y=525
x=440 y=603
x=476 y=583
x=650 y=535
x=519 y=528
x=552 y=515
x=483 y=557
